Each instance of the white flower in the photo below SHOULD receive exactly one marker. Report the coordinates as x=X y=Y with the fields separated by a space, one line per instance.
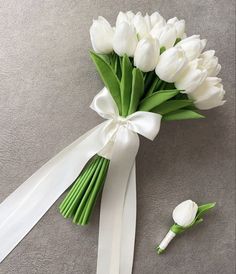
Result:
x=191 y=76
x=141 y=24
x=166 y=35
x=209 y=94
x=146 y=54
x=210 y=62
x=101 y=34
x=171 y=63
x=185 y=213
x=157 y=19
x=192 y=46
x=124 y=17
x=125 y=39
x=179 y=26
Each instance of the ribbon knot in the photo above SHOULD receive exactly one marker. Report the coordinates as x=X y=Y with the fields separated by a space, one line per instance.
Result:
x=144 y=123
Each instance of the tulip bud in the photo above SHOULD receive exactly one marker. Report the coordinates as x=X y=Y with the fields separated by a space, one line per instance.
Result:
x=141 y=25
x=125 y=39
x=192 y=46
x=171 y=63
x=166 y=35
x=185 y=213
x=210 y=62
x=101 y=35
x=157 y=19
x=146 y=54
x=191 y=76
x=179 y=26
x=209 y=94
x=124 y=17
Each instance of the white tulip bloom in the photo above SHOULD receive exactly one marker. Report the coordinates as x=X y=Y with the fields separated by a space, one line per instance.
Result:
x=185 y=213
x=166 y=35
x=209 y=94
x=210 y=62
x=125 y=39
x=170 y=65
x=141 y=25
x=101 y=34
x=191 y=77
x=193 y=46
x=157 y=19
x=124 y=17
x=179 y=26
x=146 y=54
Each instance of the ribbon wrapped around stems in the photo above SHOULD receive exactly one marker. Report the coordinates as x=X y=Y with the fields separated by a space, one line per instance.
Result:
x=116 y=137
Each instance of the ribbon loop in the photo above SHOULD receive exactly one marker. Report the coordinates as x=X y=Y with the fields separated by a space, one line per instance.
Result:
x=144 y=123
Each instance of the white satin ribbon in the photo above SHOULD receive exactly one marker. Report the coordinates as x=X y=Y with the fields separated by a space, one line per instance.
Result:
x=20 y=211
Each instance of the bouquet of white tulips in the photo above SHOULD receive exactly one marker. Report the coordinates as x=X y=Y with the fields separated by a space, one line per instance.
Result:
x=151 y=71
x=147 y=64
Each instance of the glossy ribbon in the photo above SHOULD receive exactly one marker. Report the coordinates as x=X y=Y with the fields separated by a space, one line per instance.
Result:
x=20 y=211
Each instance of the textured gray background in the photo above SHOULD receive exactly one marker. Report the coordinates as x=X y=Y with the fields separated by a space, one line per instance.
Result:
x=47 y=82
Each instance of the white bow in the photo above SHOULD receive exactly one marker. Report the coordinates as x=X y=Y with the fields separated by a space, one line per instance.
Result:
x=20 y=211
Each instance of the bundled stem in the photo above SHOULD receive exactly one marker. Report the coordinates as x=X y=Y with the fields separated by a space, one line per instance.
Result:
x=80 y=200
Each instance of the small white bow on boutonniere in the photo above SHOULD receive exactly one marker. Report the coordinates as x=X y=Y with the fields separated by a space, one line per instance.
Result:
x=185 y=215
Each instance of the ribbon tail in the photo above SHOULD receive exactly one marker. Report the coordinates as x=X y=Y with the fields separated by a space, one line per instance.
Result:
x=129 y=225
x=21 y=210
x=114 y=212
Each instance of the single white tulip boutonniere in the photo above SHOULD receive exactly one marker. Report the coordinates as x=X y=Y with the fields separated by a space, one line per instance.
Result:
x=186 y=215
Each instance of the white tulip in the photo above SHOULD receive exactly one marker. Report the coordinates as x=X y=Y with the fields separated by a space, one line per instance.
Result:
x=141 y=25
x=157 y=19
x=209 y=94
x=125 y=39
x=101 y=34
x=171 y=63
x=146 y=54
x=185 y=213
x=210 y=62
x=124 y=17
x=192 y=46
x=191 y=76
x=179 y=26
x=166 y=35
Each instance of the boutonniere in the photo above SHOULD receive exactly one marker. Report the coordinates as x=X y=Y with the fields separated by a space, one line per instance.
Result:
x=185 y=215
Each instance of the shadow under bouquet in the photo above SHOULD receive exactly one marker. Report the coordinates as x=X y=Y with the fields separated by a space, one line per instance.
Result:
x=152 y=72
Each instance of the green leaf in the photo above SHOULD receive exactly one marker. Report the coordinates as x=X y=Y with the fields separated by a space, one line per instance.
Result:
x=126 y=84
x=182 y=114
x=137 y=90
x=150 y=76
x=162 y=49
x=118 y=66
x=108 y=77
x=153 y=86
x=170 y=106
x=204 y=208
x=156 y=99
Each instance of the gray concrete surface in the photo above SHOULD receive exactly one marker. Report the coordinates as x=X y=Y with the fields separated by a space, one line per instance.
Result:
x=47 y=82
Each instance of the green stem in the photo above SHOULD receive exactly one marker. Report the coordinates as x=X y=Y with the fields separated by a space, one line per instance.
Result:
x=77 y=217
x=96 y=190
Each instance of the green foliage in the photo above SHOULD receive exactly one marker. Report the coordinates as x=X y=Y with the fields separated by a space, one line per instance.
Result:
x=126 y=84
x=157 y=98
x=171 y=105
x=137 y=90
x=182 y=114
x=108 y=77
